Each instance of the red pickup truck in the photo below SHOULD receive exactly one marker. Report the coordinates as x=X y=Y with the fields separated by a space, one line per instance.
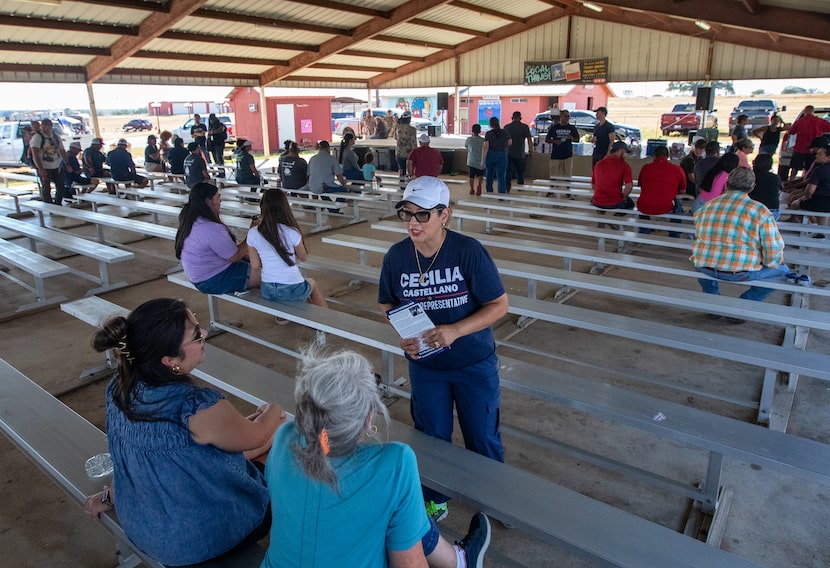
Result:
x=684 y=118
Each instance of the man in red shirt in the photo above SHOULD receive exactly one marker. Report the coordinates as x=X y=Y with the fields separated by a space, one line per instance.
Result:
x=660 y=183
x=612 y=180
x=808 y=127
x=424 y=161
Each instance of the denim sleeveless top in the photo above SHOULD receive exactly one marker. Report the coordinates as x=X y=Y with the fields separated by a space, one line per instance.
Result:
x=180 y=502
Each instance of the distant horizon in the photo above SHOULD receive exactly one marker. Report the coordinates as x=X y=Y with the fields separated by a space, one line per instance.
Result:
x=108 y=97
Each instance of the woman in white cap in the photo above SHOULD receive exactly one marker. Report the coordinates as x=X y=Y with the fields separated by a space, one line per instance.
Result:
x=246 y=172
x=454 y=280
x=342 y=496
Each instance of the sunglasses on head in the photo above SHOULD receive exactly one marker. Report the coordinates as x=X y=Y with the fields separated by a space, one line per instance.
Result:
x=420 y=216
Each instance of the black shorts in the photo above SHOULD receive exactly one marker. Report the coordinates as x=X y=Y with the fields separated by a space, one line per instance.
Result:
x=821 y=204
x=475 y=172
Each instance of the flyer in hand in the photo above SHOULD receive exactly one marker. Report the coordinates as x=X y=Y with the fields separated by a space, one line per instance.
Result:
x=410 y=320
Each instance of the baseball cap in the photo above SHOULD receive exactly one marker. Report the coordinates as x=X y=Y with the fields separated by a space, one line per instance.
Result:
x=426 y=192
x=423 y=138
x=619 y=145
x=75 y=144
x=819 y=142
x=122 y=142
x=406 y=114
x=97 y=141
x=246 y=143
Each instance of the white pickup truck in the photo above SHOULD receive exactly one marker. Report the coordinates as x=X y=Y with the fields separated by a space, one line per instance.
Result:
x=11 y=141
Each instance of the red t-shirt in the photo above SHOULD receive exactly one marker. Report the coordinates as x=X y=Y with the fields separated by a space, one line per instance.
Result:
x=660 y=182
x=808 y=127
x=608 y=178
x=426 y=161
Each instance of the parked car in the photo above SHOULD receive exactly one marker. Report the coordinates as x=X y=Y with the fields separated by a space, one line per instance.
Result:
x=11 y=140
x=183 y=131
x=683 y=118
x=585 y=121
x=420 y=124
x=786 y=151
x=137 y=125
x=759 y=112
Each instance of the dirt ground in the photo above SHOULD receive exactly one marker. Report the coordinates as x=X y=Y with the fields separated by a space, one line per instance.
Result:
x=776 y=519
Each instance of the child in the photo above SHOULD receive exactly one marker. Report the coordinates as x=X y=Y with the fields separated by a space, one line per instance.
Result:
x=369 y=166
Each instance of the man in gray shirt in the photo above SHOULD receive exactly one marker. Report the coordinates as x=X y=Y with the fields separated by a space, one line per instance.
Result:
x=323 y=169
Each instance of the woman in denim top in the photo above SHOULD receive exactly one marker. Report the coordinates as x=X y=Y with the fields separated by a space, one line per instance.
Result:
x=183 y=486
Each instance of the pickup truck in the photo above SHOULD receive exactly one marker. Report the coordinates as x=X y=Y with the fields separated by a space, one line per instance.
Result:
x=11 y=141
x=684 y=118
x=759 y=112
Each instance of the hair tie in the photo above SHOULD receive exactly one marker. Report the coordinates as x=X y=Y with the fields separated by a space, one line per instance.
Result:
x=323 y=438
x=122 y=347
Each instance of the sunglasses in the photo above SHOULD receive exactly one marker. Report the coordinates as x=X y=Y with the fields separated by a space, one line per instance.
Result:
x=199 y=336
x=420 y=216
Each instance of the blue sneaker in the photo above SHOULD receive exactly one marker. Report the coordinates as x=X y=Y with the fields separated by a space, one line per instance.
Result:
x=477 y=541
x=804 y=280
x=436 y=511
x=792 y=277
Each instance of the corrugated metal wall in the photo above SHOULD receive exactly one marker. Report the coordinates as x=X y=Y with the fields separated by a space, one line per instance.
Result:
x=634 y=54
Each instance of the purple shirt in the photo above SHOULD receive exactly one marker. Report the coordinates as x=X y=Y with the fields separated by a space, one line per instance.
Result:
x=206 y=250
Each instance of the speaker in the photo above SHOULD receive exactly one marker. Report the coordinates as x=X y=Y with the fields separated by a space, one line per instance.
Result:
x=705 y=99
x=443 y=101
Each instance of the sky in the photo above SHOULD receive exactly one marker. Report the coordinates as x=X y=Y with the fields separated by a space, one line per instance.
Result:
x=29 y=96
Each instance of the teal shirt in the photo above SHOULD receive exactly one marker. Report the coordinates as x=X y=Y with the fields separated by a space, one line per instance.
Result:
x=368 y=171
x=379 y=507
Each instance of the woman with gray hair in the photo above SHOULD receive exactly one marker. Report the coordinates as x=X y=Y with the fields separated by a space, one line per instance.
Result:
x=333 y=483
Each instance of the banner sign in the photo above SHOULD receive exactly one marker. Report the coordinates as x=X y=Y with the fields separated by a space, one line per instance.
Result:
x=570 y=71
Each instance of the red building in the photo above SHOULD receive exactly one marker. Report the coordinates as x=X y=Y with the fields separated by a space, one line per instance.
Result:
x=304 y=119
x=477 y=104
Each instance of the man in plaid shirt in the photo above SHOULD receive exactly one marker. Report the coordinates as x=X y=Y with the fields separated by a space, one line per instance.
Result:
x=737 y=239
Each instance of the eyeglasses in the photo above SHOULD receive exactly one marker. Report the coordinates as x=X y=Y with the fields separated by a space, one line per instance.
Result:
x=420 y=216
x=199 y=334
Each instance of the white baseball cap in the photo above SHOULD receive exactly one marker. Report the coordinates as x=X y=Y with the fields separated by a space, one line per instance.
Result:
x=423 y=138
x=426 y=192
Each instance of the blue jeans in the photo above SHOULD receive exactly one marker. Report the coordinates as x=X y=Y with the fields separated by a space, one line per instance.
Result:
x=475 y=392
x=233 y=279
x=753 y=292
x=496 y=165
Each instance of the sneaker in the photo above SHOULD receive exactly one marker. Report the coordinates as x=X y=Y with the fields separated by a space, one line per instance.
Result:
x=819 y=236
x=477 y=541
x=792 y=277
x=804 y=280
x=436 y=511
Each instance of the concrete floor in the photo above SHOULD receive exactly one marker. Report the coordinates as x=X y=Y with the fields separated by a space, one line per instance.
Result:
x=775 y=519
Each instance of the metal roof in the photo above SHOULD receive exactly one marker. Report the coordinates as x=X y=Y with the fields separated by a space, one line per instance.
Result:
x=404 y=43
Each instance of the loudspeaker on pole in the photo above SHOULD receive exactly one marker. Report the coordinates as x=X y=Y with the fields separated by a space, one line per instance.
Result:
x=705 y=99
x=443 y=101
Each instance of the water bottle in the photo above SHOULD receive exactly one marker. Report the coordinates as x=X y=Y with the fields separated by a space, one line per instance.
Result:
x=99 y=465
x=374 y=183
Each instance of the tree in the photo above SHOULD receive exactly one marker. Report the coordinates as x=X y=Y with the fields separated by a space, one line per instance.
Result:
x=758 y=92
x=726 y=87
x=793 y=90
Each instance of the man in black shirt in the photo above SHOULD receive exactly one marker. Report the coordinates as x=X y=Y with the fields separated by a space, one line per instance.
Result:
x=518 y=132
x=561 y=138
x=176 y=156
x=604 y=136
x=199 y=133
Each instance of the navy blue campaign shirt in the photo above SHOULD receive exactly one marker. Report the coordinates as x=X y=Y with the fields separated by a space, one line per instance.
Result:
x=461 y=281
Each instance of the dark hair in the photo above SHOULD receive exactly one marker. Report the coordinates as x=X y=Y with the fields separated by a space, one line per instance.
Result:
x=741 y=117
x=275 y=211
x=151 y=137
x=347 y=137
x=323 y=144
x=602 y=109
x=700 y=143
x=661 y=151
x=712 y=147
x=494 y=124
x=178 y=141
x=476 y=128
x=192 y=146
x=287 y=144
x=152 y=331
x=762 y=163
x=369 y=158
x=196 y=207
x=726 y=163
x=294 y=148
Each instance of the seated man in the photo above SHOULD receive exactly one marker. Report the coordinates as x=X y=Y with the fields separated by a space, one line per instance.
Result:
x=660 y=183
x=177 y=155
x=324 y=173
x=122 y=166
x=424 y=160
x=737 y=239
x=612 y=181
x=74 y=171
x=817 y=194
x=195 y=167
